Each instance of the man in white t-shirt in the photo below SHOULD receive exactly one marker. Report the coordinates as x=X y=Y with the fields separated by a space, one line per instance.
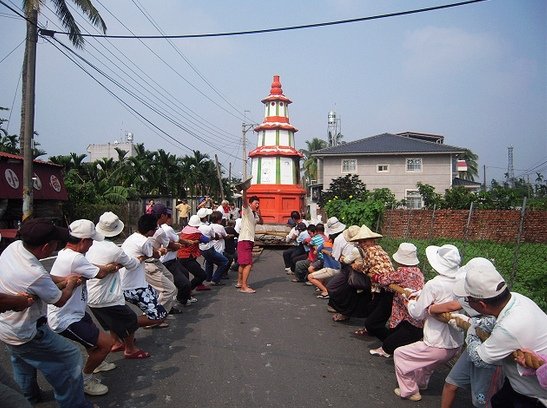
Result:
x=250 y=216
x=520 y=324
x=157 y=275
x=71 y=320
x=31 y=343
x=136 y=289
x=105 y=296
x=212 y=257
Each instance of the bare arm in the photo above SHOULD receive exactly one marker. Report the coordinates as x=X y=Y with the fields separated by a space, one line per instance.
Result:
x=70 y=283
x=15 y=302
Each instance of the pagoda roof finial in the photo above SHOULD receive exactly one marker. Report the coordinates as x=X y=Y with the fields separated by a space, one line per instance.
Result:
x=276 y=93
x=276 y=86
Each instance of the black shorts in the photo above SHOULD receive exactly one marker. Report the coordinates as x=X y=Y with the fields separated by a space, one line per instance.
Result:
x=119 y=319
x=84 y=332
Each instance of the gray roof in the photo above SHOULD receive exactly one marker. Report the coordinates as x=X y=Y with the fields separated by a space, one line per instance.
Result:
x=387 y=143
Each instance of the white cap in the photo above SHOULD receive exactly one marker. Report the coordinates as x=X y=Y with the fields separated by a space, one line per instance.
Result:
x=204 y=212
x=482 y=280
x=84 y=229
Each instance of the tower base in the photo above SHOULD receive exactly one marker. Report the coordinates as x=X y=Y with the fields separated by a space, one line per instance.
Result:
x=277 y=201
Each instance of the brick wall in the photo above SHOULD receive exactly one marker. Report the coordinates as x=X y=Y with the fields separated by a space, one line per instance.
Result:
x=494 y=225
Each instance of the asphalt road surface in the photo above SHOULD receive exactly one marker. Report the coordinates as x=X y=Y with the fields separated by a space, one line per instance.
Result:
x=276 y=348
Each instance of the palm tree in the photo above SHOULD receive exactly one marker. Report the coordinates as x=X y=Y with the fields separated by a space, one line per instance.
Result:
x=310 y=163
x=472 y=166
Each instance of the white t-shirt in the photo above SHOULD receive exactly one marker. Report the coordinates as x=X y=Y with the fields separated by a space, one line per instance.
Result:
x=520 y=325
x=135 y=245
x=341 y=247
x=70 y=262
x=107 y=291
x=171 y=235
x=159 y=239
x=207 y=231
x=437 y=334
x=22 y=272
x=248 y=224
x=219 y=244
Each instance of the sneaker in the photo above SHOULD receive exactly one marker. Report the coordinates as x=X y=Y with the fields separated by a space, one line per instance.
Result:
x=217 y=284
x=413 y=397
x=94 y=387
x=308 y=284
x=190 y=301
x=379 y=352
x=104 y=366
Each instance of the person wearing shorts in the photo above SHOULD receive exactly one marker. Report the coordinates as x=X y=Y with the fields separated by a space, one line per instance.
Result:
x=135 y=288
x=71 y=320
x=105 y=296
x=250 y=216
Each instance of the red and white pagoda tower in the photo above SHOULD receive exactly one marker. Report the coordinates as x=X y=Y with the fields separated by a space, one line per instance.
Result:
x=275 y=162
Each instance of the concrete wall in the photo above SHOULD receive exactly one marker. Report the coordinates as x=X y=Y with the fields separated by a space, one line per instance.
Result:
x=436 y=171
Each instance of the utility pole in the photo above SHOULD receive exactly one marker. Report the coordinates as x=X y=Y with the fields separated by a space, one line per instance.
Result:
x=484 y=176
x=219 y=178
x=28 y=106
x=245 y=128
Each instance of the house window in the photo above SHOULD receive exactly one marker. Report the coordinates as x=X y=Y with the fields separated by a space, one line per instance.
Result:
x=349 y=166
x=414 y=165
x=382 y=168
x=413 y=199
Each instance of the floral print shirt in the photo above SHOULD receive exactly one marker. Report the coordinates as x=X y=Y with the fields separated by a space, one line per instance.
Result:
x=406 y=277
x=375 y=262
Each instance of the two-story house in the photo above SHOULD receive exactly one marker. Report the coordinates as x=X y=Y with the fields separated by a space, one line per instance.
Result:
x=394 y=161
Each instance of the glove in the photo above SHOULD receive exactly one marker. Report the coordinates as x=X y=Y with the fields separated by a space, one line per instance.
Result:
x=454 y=323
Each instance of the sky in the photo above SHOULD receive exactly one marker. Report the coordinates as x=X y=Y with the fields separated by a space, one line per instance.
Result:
x=476 y=74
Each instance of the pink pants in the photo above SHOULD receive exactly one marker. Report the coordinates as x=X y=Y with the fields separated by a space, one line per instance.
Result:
x=414 y=364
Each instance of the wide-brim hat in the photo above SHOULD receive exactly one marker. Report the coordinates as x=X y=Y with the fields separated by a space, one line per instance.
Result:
x=365 y=233
x=351 y=232
x=334 y=226
x=109 y=224
x=194 y=221
x=444 y=259
x=406 y=254
x=204 y=212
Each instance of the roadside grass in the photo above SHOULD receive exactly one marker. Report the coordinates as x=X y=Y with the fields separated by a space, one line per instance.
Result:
x=524 y=269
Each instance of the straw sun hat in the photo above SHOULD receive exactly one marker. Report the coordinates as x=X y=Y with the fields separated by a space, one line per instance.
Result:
x=365 y=233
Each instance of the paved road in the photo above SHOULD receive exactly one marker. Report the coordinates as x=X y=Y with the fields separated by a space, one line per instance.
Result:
x=276 y=348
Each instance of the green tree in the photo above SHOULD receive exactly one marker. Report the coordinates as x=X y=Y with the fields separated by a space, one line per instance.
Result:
x=430 y=198
x=310 y=163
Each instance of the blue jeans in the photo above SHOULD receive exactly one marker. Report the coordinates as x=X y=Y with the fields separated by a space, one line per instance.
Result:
x=60 y=362
x=212 y=258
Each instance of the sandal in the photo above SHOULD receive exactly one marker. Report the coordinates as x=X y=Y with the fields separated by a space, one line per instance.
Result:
x=322 y=296
x=161 y=325
x=339 y=317
x=361 y=332
x=248 y=290
x=137 y=355
x=238 y=285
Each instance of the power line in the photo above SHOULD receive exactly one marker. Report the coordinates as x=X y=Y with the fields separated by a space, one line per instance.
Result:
x=177 y=50
x=279 y=29
x=12 y=51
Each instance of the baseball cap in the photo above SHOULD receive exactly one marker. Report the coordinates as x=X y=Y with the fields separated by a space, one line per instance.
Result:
x=39 y=231
x=482 y=280
x=160 y=209
x=84 y=229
